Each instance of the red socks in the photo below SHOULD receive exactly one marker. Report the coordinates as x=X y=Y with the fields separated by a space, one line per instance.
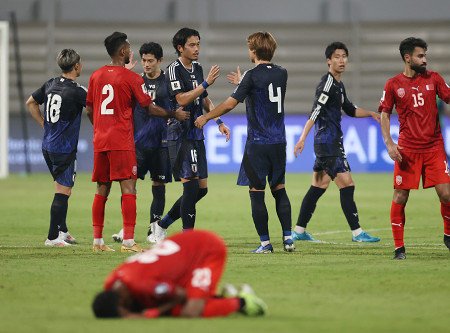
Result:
x=98 y=215
x=398 y=223
x=129 y=215
x=445 y=212
x=218 y=307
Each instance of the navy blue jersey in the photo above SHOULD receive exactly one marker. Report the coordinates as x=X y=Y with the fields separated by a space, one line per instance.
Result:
x=326 y=113
x=150 y=131
x=179 y=79
x=263 y=89
x=63 y=102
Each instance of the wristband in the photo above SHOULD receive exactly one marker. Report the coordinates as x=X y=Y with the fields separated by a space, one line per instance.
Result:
x=151 y=313
x=219 y=121
x=205 y=84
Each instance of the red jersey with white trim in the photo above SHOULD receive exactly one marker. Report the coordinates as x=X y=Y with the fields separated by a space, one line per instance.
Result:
x=415 y=103
x=192 y=260
x=113 y=92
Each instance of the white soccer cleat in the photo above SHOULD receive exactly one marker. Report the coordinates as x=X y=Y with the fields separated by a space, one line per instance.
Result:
x=118 y=237
x=68 y=238
x=151 y=237
x=56 y=242
x=160 y=233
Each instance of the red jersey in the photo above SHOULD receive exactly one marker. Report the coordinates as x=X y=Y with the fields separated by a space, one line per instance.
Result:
x=192 y=260
x=113 y=92
x=415 y=103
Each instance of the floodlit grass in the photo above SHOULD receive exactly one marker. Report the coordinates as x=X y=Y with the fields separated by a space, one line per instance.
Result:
x=334 y=286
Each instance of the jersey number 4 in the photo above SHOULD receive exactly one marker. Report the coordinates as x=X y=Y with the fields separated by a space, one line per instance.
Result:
x=275 y=98
x=53 y=108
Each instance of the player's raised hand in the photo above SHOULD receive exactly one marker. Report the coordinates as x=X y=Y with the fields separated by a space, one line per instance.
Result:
x=131 y=64
x=200 y=122
x=182 y=115
x=225 y=131
x=298 y=148
x=234 y=78
x=213 y=74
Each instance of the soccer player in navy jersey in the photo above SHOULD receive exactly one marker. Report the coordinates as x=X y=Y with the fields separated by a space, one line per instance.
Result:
x=63 y=101
x=420 y=149
x=263 y=88
x=187 y=88
x=150 y=134
x=331 y=162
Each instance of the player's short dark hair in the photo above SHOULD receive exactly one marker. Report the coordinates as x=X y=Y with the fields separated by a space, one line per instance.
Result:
x=106 y=304
x=114 y=42
x=182 y=36
x=67 y=59
x=333 y=47
x=263 y=43
x=408 y=45
x=151 y=48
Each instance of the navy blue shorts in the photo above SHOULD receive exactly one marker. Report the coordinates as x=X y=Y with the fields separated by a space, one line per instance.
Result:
x=261 y=161
x=156 y=161
x=188 y=159
x=332 y=165
x=63 y=167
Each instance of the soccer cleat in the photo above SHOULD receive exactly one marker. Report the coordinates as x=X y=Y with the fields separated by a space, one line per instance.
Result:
x=399 y=253
x=68 y=238
x=447 y=241
x=254 y=306
x=303 y=237
x=134 y=248
x=102 y=248
x=118 y=237
x=365 y=237
x=160 y=233
x=263 y=249
x=151 y=233
x=229 y=290
x=288 y=245
x=58 y=242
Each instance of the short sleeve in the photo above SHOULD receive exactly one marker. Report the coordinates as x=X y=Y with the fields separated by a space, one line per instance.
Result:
x=387 y=99
x=140 y=90
x=39 y=95
x=82 y=94
x=321 y=98
x=442 y=89
x=174 y=82
x=244 y=87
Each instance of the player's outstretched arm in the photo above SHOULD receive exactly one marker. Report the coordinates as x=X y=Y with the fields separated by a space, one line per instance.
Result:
x=188 y=97
x=224 y=107
x=234 y=77
x=157 y=111
x=298 y=148
x=33 y=106
x=361 y=113
x=207 y=107
x=391 y=146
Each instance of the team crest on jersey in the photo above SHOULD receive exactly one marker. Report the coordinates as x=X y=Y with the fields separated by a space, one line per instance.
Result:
x=398 y=180
x=194 y=167
x=401 y=92
x=134 y=170
x=175 y=85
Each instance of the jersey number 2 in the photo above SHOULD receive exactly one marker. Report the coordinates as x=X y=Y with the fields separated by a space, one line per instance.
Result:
x=109 y=91
x=275 y=98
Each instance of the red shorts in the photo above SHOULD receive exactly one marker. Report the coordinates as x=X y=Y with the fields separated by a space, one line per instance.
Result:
x=431 y=166
x=114 y=165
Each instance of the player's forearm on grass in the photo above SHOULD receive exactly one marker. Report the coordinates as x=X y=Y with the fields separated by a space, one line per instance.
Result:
x=224 y=107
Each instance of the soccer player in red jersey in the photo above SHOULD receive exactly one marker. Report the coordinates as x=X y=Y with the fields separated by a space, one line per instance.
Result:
x=177 y=277
x=112 y=94
x=420 y=148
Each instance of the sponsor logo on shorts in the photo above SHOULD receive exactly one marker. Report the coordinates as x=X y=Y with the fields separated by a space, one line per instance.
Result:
x=161 y=177
x=134 y=170
x=398 y=180
x=401 y=92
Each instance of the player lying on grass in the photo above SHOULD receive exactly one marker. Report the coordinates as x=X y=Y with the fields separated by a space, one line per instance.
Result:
x=177 y=277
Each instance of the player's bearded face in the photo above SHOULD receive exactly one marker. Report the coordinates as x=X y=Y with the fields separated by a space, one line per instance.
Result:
x=127 y=53
x=418 y=61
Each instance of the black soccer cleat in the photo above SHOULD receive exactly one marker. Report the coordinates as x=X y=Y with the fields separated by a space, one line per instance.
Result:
x=447 y=241
x=399 y=253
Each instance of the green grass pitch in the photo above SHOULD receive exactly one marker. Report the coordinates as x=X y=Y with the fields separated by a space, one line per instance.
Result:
x=334 y=286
